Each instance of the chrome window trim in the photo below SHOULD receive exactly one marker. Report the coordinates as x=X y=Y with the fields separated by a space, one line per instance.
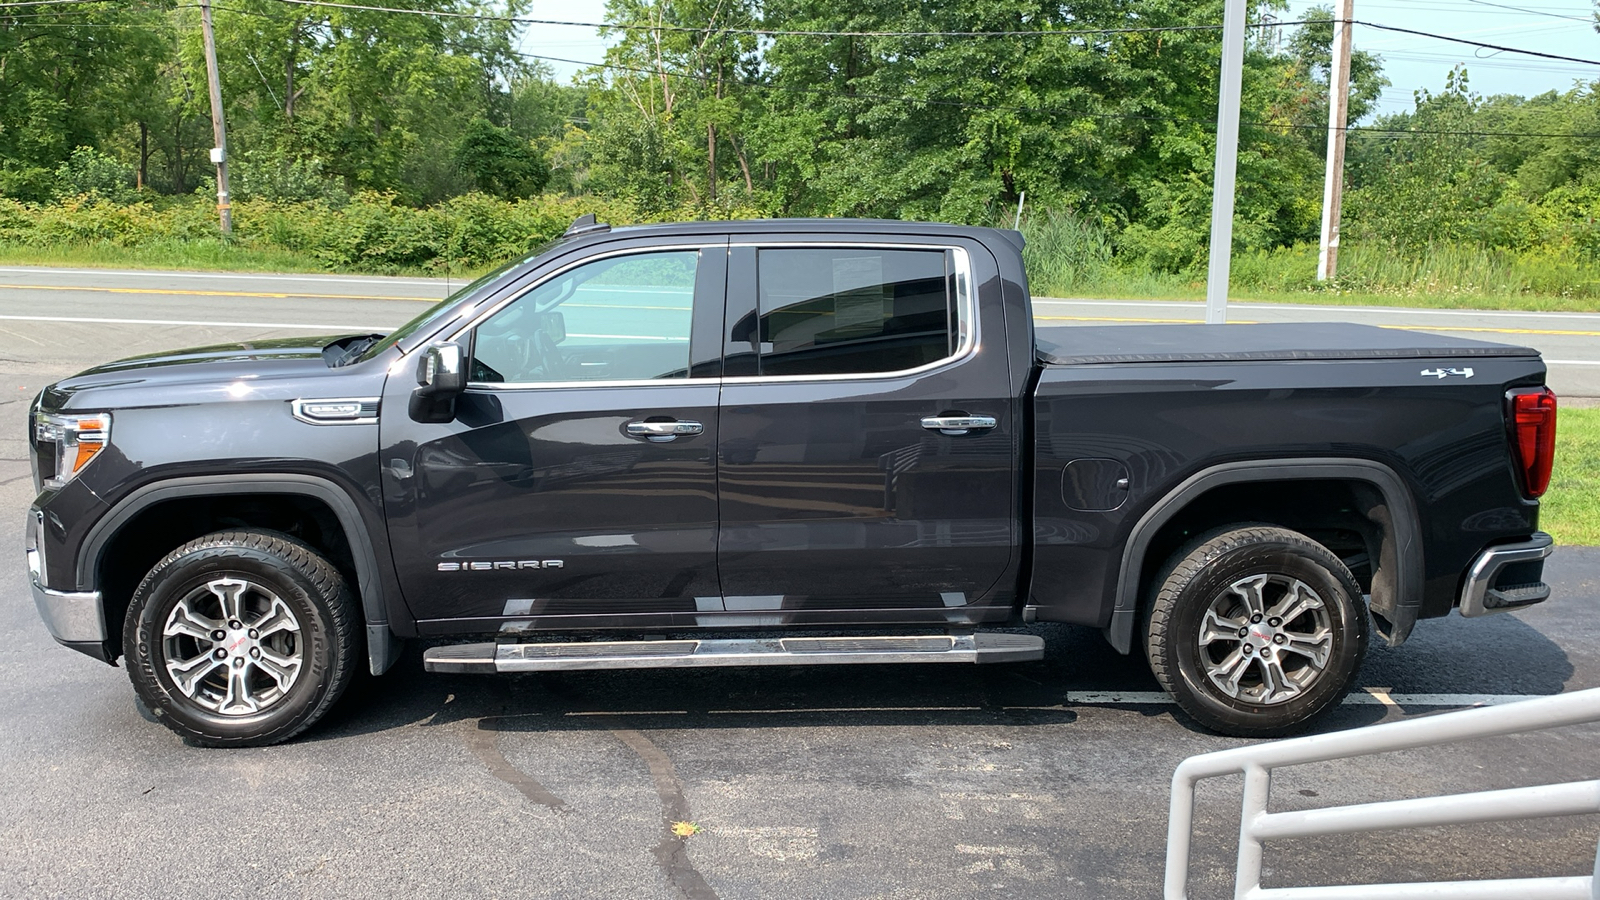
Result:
x=493 y=386
x=967 y=326
x=968 y=336
x=295 y=409
x=697 y=247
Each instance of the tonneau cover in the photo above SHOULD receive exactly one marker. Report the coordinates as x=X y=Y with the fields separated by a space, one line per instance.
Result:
x=1079 y=345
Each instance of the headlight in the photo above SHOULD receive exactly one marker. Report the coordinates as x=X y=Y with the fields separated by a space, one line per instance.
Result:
x=65 y=444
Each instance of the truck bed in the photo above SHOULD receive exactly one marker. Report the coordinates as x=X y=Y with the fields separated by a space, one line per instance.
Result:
x=1078 y=345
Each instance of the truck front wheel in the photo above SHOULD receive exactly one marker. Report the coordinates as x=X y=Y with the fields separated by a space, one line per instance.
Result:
x=1256 y=631
x=241 y=638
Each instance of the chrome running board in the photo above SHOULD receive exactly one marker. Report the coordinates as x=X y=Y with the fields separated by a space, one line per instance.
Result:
x=785 y=651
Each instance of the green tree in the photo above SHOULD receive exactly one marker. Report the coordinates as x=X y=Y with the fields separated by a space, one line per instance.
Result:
x=667 y=111
x=499 y=162
x=69 y=75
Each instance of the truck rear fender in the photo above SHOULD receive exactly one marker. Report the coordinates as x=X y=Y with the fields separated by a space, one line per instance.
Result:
x=1381 y=496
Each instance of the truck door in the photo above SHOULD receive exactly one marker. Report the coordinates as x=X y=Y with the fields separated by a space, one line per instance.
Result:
x=577 y=483
x=868 y=442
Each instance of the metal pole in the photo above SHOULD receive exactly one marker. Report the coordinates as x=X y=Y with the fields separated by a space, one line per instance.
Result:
x=1227 y=161
x=1338 y=116
x=219 y=152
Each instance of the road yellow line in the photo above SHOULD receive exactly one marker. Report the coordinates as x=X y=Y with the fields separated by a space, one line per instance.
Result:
x=1493 y=330
x=273 y=295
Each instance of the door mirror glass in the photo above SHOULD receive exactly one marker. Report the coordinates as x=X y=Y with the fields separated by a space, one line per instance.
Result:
x=441 y=370
x=441 y=377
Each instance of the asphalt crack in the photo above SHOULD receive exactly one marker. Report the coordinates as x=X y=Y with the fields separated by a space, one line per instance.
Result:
x=670 y=853
x=485 y=744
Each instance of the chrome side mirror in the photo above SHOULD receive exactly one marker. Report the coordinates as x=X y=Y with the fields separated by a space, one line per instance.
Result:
x=441 y=377
x=442 y=369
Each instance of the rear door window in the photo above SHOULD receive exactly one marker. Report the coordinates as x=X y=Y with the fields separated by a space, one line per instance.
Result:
x=842 y=311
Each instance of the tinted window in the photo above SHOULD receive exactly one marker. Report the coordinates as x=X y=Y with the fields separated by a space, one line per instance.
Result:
x=845 y=311
x=626 y=318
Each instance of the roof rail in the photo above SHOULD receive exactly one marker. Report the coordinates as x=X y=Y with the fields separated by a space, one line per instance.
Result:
x=585 y=224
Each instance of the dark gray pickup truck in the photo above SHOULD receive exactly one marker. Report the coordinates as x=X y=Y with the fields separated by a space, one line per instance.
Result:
x=779 y=442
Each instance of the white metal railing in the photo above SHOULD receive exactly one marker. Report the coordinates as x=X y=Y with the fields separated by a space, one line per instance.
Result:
x=1256 y=825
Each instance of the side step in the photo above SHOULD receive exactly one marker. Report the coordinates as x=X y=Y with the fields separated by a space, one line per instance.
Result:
x=790 y=651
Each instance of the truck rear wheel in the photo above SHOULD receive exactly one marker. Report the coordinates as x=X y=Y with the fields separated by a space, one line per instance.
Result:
x=241 y=638
x=1256 y=631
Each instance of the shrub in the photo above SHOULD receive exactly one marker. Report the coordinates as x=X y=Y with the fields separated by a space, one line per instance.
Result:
x=89 y=172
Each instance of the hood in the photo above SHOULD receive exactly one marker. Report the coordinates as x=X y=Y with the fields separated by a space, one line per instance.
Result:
x=272 y=358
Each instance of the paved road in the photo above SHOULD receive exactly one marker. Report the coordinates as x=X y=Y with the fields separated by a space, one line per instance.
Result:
x=38 y=304
x=895 y=782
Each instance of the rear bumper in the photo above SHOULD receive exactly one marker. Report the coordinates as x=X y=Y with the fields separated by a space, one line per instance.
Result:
x=1507 y=577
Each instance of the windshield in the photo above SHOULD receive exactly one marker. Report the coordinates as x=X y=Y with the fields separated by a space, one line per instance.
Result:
x=436 y=312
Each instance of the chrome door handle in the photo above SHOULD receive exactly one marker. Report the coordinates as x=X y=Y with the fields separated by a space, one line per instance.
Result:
x=661 y=432
x=958 y=424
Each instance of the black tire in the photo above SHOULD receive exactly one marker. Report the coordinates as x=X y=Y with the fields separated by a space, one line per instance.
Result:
x=308 y=635
x=1261 y=680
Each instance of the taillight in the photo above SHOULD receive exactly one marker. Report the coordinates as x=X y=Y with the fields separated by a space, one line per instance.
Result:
x=1533 y=429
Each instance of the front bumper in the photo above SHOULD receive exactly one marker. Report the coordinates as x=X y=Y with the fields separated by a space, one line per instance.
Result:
x=1507 y=577
x=73 y=617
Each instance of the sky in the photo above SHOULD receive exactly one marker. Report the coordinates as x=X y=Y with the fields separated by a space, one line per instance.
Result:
x=1563 y=27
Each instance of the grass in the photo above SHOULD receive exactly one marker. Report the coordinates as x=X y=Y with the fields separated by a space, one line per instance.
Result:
x=203 y=256
x=1571 y=508
x=1068 y=256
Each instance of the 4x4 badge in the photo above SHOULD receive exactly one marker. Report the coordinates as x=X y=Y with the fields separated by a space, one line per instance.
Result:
x=1446 y=373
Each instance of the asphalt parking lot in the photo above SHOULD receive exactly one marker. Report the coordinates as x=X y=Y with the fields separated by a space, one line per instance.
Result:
x=1044 y=779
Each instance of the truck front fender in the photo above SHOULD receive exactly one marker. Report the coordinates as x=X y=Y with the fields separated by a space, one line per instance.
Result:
x=383 y=648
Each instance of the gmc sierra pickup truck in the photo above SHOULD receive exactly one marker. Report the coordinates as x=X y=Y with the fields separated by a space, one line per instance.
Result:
x=779 y=442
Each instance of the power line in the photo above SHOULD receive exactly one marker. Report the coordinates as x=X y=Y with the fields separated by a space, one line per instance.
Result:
x=1456 y=40
x=959 y=103
x=784 y=32
x=985 y=107
x=48 y=3
x=1533 y=12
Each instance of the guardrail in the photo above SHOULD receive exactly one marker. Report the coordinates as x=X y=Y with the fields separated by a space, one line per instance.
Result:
x=1257 y=825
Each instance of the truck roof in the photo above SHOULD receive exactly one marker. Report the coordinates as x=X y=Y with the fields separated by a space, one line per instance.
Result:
x=820 y=226
x=1079 y=345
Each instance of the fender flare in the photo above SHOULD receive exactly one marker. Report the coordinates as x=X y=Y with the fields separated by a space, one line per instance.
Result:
x=383 y=648
x=1402 y=541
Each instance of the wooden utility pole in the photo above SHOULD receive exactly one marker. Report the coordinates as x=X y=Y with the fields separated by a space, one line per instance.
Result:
x=219 y=152
x=1338 y=115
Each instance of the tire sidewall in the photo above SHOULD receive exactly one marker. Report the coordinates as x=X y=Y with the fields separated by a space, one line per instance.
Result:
x=1347 y=624
x=144 y=645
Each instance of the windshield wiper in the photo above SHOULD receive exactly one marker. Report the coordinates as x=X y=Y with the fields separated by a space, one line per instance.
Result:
x=346 y=351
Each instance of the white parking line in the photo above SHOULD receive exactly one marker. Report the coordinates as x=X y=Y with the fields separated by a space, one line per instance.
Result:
x=1572 y=362
x=1362 y=697
x=299 y=326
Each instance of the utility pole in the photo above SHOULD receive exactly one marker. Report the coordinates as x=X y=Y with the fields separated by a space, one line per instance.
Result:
x=219 y=152
x=1227 y=164
x=1338 y=117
